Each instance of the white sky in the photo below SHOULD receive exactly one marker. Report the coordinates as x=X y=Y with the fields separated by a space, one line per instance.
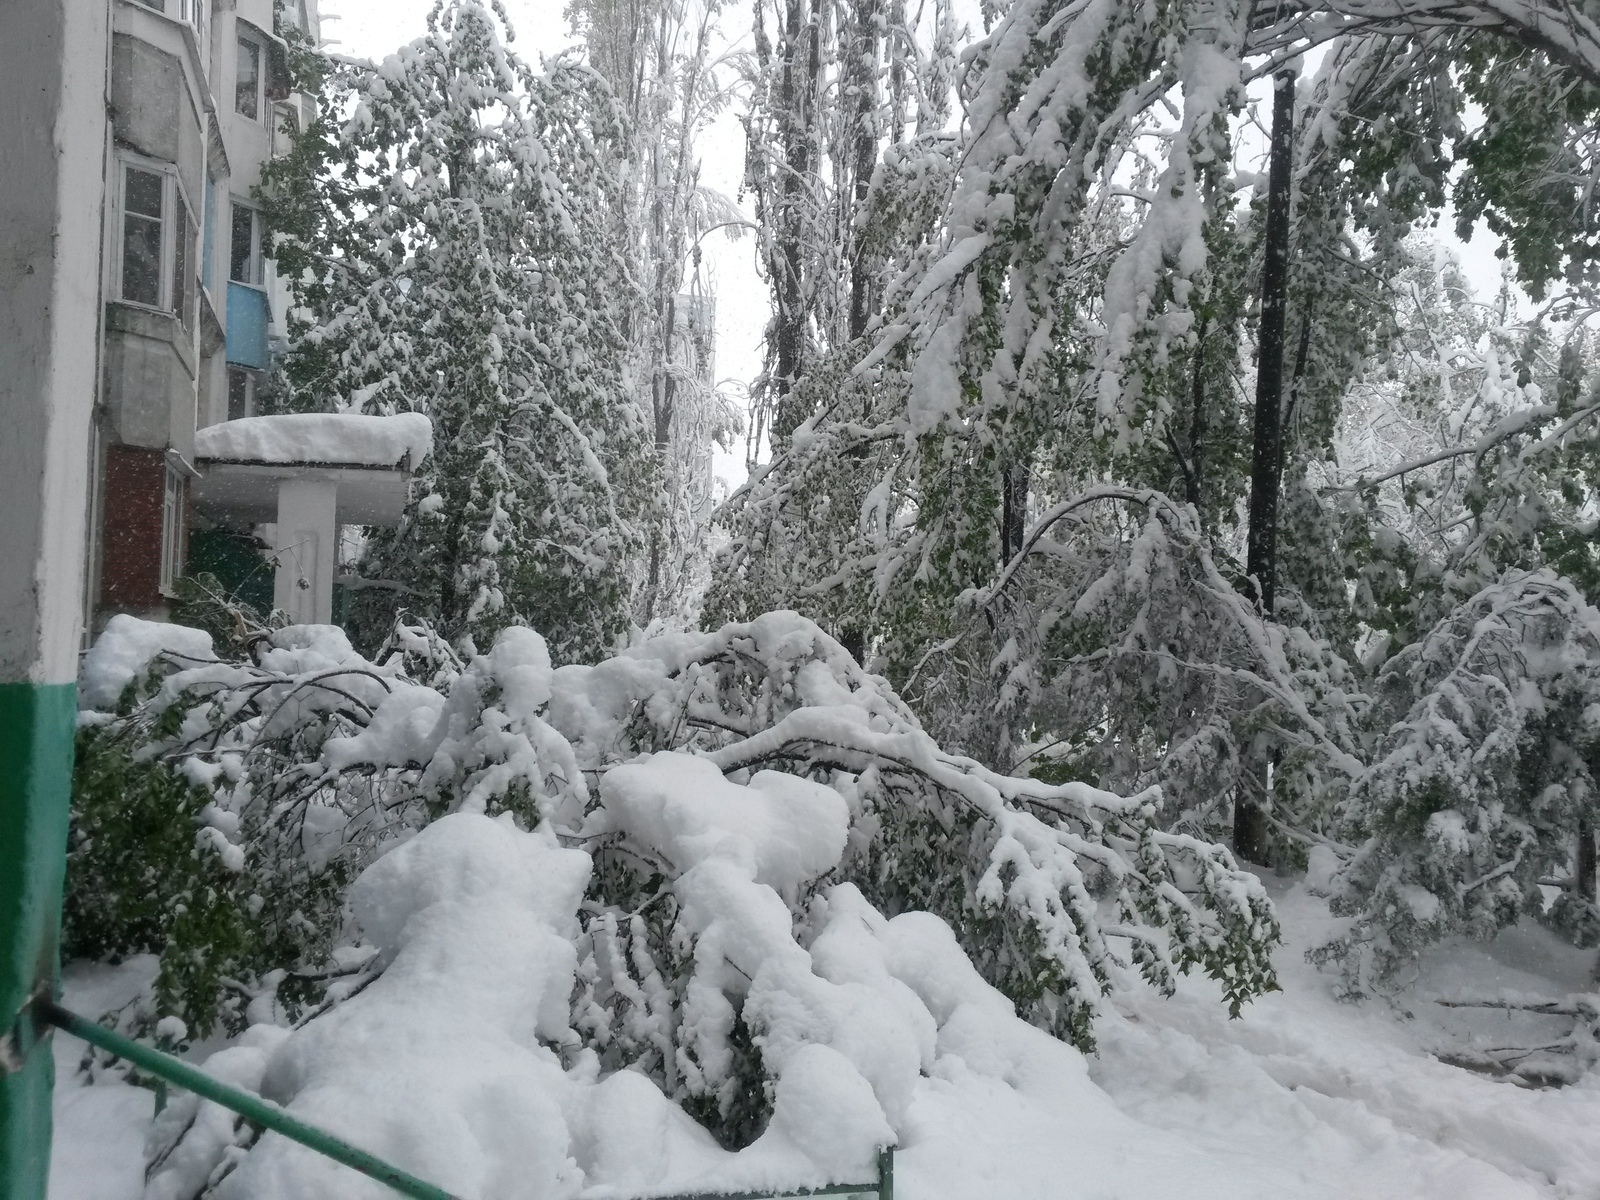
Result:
x=375 y=28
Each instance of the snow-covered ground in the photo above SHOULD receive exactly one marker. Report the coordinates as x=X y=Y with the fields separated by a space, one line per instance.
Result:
x=1304 y=1096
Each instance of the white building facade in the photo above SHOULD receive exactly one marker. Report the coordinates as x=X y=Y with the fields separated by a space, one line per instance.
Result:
x=199 y=99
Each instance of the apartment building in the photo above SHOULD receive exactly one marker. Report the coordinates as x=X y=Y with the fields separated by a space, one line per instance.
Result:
x=199 y=98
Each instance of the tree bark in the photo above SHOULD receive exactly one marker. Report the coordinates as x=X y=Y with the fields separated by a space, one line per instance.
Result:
x=1251 y=831
x=1586 y=861
x=862 y=72
x=1013 y=511
x=1266 y=464
x=796 y=91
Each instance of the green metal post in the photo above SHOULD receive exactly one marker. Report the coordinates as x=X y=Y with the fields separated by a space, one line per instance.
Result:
x=886 y=1173
x=36 y=723
x=53 y=141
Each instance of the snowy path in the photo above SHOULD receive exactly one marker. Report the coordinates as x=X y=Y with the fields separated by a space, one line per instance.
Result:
x=1302 y=1098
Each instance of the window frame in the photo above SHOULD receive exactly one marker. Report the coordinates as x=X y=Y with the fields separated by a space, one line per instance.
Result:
x=174 y=527
x=169 y=291
x=248 y=378
x=244 y=34
x=193 y=13
x=258 y=256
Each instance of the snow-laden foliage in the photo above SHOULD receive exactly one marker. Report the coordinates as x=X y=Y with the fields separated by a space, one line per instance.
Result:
x=671 y=84
x=317 y=761
x=493 y=1092
x=452 y=227
x=1028 y=487
x=1480 y=787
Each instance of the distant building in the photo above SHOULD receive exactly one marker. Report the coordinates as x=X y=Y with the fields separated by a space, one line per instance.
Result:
x=199 y=99
x=195 y=98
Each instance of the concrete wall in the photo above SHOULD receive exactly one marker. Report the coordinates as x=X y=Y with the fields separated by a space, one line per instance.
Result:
x=307 y=540
x=154 y=107
x=52 y=142
x=150 y=383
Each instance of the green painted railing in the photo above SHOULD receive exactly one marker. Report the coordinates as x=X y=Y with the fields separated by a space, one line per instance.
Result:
x=252 y=1108
x=267 y=1115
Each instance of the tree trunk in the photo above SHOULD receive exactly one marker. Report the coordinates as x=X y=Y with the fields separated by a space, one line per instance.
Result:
x=1251 y=831
x=1266 y=464
x=1013 y=511
x=862 y=72
x=1586 y=861
x=797 y=78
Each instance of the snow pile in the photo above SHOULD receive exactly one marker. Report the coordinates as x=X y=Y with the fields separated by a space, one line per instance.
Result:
x=1061 y=893
x=126 y=649
x=785 y=830
x=1303 y=1097
x=319 y=438
x=457 y=1063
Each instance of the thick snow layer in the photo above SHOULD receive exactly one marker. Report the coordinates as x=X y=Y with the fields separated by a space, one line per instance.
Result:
x=319 y=438
x=458 y=1062
x=787 y=829
x=1303 y=1097
x=126 y=648
x=448 y=1064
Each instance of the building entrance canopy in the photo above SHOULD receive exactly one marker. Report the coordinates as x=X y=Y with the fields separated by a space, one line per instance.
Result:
x=307 y=474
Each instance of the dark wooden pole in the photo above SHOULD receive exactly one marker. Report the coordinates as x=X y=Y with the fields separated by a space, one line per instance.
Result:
x=1266 y=464
x=1586 y=861
x=1251 y=833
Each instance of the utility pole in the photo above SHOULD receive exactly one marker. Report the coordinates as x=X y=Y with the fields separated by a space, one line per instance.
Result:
x=53 y=143
x=1250 y=840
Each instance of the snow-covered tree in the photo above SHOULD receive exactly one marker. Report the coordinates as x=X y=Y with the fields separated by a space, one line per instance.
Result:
x=314 y=761
x=1483 y=785
x=831 y=86
x=460 y=253
x=662 y=61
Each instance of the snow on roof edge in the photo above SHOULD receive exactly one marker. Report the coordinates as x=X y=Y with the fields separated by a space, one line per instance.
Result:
x=343 y=438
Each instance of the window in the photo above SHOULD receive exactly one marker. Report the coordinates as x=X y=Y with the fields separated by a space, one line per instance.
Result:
x=182 y=273
x=183 y=10
x=247 y=81
x=158 y=238
x=241 y=393
x=143 y=226
x=174 y=528
x=244 y=256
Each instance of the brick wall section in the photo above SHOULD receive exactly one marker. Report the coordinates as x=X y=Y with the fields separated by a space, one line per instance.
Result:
x=130 y=572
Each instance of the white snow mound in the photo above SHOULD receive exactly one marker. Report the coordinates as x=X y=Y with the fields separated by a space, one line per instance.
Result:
x=786 y=828
x=319 y=438
x=126 y=648
x=449 y=1064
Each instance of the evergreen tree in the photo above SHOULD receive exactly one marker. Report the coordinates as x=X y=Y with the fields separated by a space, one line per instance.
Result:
x=459 y=253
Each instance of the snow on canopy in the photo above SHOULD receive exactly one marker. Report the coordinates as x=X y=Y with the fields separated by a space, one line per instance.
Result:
x=319 y=438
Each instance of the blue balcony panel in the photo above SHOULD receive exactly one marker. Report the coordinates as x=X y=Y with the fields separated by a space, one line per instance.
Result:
x=248 y=318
